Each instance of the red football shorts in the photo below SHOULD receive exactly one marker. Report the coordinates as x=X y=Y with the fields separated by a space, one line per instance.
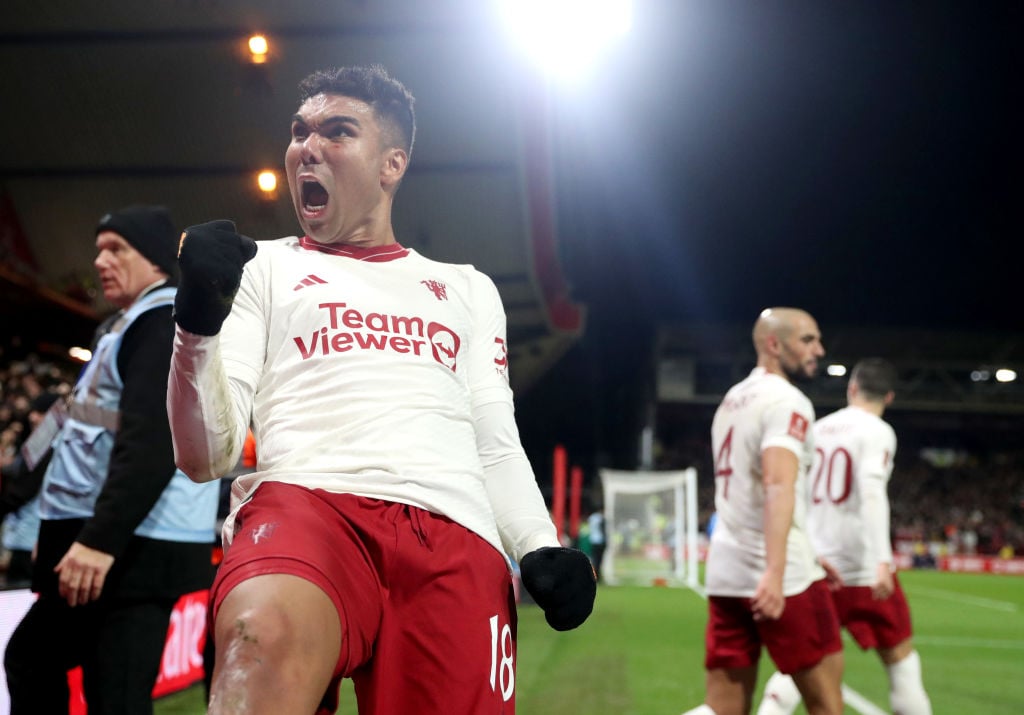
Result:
x=807 y=631
x=426 y=606
x=874 y=624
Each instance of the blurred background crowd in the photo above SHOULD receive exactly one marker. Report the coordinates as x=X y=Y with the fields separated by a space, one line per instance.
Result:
x=944 y=502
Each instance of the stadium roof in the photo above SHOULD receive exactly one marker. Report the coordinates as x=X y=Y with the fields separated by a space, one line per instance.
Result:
x=160 y=103
x=940 y=371
x=858 y=160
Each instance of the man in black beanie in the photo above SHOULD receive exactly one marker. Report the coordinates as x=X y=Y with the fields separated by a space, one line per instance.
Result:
x=150 y=231
x=124 y=534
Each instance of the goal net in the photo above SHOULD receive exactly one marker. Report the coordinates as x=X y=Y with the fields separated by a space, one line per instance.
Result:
x=650 y=527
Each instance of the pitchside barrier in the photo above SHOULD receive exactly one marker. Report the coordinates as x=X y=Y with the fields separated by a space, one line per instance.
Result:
x=962 y=564
x=182 y=663
x=650 y=527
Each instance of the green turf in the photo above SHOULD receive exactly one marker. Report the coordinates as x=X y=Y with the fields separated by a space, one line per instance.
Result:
x=641 y=653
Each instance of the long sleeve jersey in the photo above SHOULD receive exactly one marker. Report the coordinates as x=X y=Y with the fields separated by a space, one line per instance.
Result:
x=848 y=509
x=762 y=411
x=374 y=372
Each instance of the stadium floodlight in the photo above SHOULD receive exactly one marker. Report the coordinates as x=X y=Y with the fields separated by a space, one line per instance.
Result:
x=565 y=36
x=80 y=354
x=266 y=180
x=1005 y=374
x=836 y=370
x=258 y=49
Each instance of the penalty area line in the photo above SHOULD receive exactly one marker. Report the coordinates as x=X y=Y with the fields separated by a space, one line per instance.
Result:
x=1004 y=606
x=859 y=703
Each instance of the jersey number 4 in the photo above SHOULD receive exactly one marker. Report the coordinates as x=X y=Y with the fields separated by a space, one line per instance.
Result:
x=834 y=473
x=723 y=463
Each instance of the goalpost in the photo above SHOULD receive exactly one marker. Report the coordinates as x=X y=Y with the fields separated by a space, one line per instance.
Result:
x=650 y=527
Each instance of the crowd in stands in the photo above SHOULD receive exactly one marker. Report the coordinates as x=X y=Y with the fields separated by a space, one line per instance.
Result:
x=974 y=505
x=23 y=381
x=963 y=503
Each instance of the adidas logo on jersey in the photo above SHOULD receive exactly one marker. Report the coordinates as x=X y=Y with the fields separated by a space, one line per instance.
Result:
x=309 y=280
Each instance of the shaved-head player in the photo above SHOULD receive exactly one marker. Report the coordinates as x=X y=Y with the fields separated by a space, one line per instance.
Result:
x=764 y=585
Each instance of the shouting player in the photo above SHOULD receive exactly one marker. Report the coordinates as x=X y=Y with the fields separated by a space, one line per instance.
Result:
x=370 y=542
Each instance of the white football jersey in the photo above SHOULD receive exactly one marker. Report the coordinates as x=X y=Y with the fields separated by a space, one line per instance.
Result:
x=418 y=343
x=848 y=508
x=764 y=410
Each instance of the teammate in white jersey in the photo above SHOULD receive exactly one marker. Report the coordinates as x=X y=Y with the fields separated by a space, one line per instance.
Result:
x=370 y=541
x=764 y=584
x=848 y=521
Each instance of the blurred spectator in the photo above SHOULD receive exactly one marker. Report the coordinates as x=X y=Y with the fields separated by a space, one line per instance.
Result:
x=27 y=387
x=20 y=480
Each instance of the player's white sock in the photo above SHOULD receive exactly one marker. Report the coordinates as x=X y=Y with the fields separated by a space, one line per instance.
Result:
x=700 y=710
x=780 y=696
x=906 y=689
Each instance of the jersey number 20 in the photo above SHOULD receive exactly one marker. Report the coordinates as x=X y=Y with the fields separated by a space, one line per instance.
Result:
x=835 y=471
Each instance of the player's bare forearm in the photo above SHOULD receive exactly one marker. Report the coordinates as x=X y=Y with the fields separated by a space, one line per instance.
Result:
x=768 y=601
x=779 y=471
x=779 y=503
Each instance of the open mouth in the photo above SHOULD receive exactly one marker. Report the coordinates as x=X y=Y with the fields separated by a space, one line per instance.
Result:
x=314 y=197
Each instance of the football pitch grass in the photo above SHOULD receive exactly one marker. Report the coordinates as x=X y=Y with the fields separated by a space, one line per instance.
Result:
x=641 y=653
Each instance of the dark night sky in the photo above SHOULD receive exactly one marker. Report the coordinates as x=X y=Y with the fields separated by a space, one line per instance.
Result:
x=861 y=160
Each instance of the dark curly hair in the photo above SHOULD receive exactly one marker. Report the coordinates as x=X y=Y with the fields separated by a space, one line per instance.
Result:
x=391 y=101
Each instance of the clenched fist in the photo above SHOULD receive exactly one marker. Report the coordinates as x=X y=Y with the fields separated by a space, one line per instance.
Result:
x=210 y=257
x=562 y=582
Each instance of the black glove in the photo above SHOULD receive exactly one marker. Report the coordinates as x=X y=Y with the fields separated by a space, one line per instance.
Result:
x=210 y=257
x=562 y=582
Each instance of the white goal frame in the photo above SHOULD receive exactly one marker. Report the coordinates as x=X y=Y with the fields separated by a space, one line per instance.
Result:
x=682 y=484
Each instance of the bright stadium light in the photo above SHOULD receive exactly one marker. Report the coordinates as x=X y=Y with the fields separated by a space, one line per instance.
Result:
x=565 y=36
x=266 y=180
x=836 y=370
x=258 y=49
x=80 y=354
x=1005 y=374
